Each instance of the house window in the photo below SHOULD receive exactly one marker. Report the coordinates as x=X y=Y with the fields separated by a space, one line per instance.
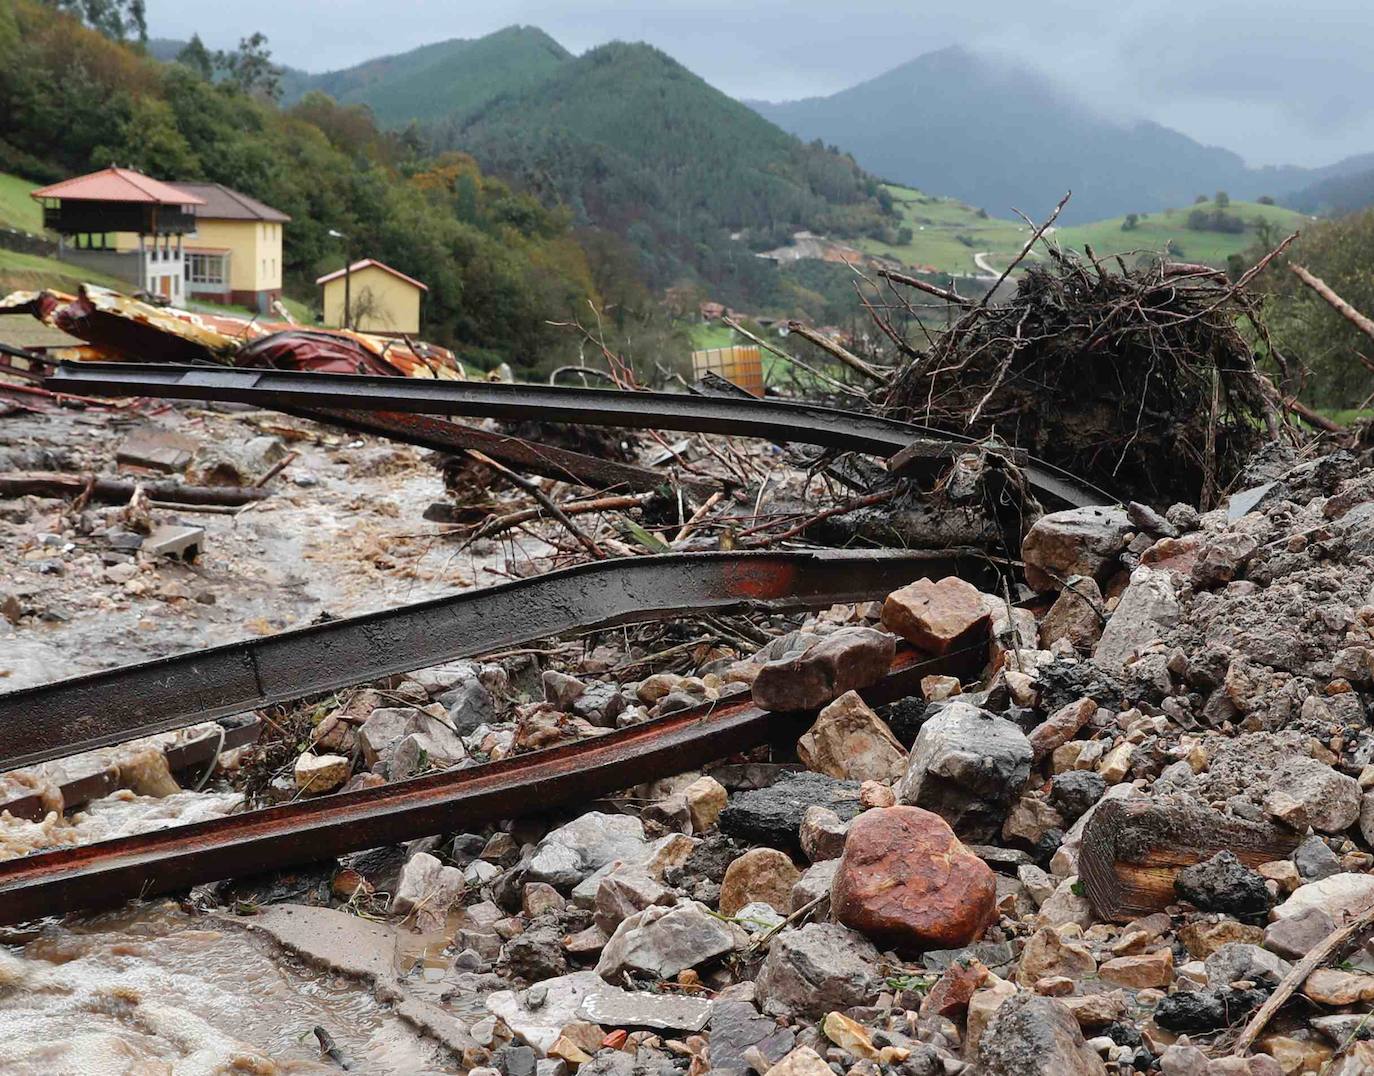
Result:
x=205 y=268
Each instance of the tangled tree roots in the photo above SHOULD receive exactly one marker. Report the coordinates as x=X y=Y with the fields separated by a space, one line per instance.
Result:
x=1136 y=379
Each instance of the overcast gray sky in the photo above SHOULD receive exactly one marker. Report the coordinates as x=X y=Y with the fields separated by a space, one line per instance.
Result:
x=1275 y=81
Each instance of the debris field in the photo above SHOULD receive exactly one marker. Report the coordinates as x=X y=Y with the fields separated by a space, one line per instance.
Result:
x=331 y=747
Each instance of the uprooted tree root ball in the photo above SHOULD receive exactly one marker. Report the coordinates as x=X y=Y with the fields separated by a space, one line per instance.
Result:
x=1134 y=378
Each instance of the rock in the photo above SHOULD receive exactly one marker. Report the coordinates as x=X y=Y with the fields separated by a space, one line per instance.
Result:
x=612 y=1007
x=1238 y=961
x=1202 y=937
x=1030 y=820
x=1224 y=884
x=1328 y=986
x=1305 y=792
x=950 y=995
x=846 y=660
x=736 y=1026
x=1030 y=1034
x=562 y=690
x=1065 y=906
x=560 y=1000
x=1140 y=972
x=1148 y=607
x=1061 y=727
x=624 y=892
x=1047 y=953
x=982 y=1006
x=421 y=752
x=1206 y=1010
x=1038 y=883
x=1078 y=541
x=1117 y=763
x=773 y=815
x=849 y=1035
x=659 y=942
x=1314 y=860
x=850 y=742
x=386 y=728
x=1293 y=936
x=575 y=851
x=966 y=765
x=1073 y=792
x=1341 y=896
x=1097 y=1010
x=814 y=883
x=939 y=688
x=822 y=834
x=937 y=617
x=470 y=705
x=816 y=969
x=540 y=898
x=321 y=773
x=801 y=1062
x=908 y=882
x=761 y=874
x=876 y=794
x=1077 y=615
x=706 y=798
x=429 y=889
x=535 y=954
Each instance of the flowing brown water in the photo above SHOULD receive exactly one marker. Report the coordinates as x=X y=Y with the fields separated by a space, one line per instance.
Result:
x=152 y=990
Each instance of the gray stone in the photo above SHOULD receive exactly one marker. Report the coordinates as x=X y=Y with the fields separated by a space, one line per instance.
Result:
x=1235 y=961
x=540 y=1024
x=429 y=889
x=773 y=815
x=535 y=954
x=1294 y=936
x=1077 y=615
x=659 y=942
x=470 y=705
x=1148 y=607
x=822 y=834
x=612 y=1007
x=1074 y=791
x=1224 y=884
x=624 y=892
x=561 y=689
x=1031 y=1035
x=966 y=766
x=815 y=882
x=422 y=752
x=822 y=966
x=575 y=851
x=736 y=1026
x=1315 y=860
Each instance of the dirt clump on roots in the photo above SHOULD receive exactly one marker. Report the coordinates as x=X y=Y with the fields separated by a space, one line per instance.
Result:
x=1136 y=379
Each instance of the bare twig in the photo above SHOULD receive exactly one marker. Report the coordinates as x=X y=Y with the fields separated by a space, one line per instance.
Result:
x=1343 y=308
x=780 y=353
x=1035 y=238
x=1334 y=941
x=925 y=286
x=539 y=495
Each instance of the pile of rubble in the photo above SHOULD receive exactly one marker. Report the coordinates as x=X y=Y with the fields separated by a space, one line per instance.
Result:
x=1142 y=818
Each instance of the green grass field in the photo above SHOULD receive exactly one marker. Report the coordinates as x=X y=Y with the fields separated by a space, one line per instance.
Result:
x=946 y=233
x=17 y=209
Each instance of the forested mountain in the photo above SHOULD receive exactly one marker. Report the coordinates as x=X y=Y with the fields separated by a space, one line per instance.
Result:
x=1000 y=137
x=445 y=80
x=632 y=141
x=1344 y=188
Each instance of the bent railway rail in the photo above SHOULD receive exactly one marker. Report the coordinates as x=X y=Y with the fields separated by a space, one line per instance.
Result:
x=805 y=423
x=90 y=711
x=149 y=864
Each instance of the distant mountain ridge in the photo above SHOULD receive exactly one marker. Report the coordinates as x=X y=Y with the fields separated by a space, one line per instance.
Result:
x=1003 y=137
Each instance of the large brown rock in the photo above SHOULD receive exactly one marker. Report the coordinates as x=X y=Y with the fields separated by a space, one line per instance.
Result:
x=937 y=617
x=851 y=742
x=1078 y=541
x=906 y=881
x=823 y=669
x=761 y=874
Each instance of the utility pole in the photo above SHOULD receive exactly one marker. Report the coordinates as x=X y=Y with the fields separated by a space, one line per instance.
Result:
x=348 y=272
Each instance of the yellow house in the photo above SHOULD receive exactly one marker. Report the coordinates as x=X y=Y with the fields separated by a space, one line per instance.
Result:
x=235 y=253
x=380 y=299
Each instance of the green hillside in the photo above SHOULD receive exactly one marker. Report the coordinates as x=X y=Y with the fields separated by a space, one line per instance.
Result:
x=633 y=142
x=17 y=209
x=946 y=233
x=447 y=79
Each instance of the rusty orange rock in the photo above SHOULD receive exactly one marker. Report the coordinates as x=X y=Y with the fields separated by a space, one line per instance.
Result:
x=906 y=881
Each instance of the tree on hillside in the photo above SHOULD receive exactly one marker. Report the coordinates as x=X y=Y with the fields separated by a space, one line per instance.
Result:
x=250 y=68
x=1131 y=223
x=1222 y=199
x=198 y=58
x=116 y=19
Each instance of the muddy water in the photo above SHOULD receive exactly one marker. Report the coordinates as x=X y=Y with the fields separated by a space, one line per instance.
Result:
x=155 y=991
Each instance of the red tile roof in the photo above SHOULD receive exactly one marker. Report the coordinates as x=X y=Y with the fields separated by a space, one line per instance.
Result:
x=118 y=185
x=223 y=203
x=372 y=262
